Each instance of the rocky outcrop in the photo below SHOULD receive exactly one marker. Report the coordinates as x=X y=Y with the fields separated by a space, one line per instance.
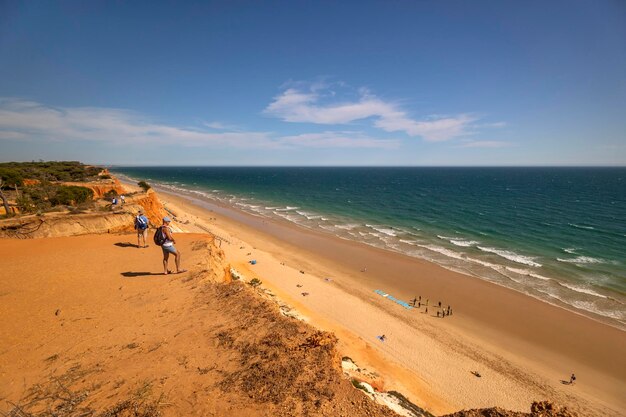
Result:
x=537 y=409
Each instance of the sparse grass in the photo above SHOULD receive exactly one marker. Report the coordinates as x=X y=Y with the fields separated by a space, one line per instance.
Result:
x=408 y=405
x=58 y=397
x=255 y=282
x=358 y=385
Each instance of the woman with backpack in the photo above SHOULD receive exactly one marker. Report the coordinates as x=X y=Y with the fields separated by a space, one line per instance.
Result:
x=141 y=226
x=163 y=237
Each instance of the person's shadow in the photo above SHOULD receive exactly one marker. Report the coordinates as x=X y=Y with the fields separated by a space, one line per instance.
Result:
x=125 y=245
x=564 y=382
x=131 y=274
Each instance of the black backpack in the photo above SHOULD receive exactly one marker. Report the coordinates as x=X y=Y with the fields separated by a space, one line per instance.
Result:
x=159 y=236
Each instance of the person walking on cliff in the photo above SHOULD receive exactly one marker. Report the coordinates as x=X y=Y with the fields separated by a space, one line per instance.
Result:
x=141 y=226
x=168 y=246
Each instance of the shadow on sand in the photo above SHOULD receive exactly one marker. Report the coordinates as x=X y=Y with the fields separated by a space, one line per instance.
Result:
x=130 y=274
x=125 y=245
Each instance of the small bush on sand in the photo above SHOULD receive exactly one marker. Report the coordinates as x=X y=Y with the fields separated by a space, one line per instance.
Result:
x=144 y=185
x=110 y=194
x=255 y=282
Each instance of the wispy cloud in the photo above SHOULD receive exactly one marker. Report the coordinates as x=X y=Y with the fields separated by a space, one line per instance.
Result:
x=222 y=126
x=336 y=140
x=485 y=144
x=28 y=120
x=296 y=104
x=36 y=120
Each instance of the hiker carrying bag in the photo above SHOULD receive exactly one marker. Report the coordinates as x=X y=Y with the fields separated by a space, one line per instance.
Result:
x=159 y=236
x=141 y=223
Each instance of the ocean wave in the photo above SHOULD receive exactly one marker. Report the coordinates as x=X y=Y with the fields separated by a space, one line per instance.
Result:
x=540 y=277
x=459 y=241
x=288 y=208
x=570 y=250
x=511 y=256
x=485 y=263
x=580 y=226
x=583 y=290
x=519 y=271
x=589 y=306
x=464 y=243
x=309 y=216
x=527 y=272
x=347 y=226
x=581 y=260
x=443 y=251
x=386 y=230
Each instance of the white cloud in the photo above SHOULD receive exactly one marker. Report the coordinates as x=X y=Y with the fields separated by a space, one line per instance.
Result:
x=21 y=120
x=294 y=105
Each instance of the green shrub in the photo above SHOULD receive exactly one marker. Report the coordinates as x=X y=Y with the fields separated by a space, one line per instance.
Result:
x=105 y=177
x=53 y=170
x=11 y=177
x=110 y=194
x=255 y=282
x=72 y=195
x=35 y=198
x=144 y=185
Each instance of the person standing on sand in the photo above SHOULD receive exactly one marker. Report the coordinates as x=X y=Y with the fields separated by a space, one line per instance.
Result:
x=168 y=247
x=141 y=226
x=572 y=379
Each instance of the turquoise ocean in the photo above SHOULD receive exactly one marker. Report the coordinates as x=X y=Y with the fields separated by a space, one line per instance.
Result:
x=556 y=234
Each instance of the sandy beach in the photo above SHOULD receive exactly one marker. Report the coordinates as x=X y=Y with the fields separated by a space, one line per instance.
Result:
x=522 y=348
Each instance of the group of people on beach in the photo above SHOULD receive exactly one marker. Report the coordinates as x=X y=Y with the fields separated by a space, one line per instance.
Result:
x=441 y=311
x=163 y=237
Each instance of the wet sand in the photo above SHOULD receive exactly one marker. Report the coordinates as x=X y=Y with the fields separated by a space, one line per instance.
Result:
x=522 y=347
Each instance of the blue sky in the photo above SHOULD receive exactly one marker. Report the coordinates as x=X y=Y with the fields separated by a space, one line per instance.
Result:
x=314 y=83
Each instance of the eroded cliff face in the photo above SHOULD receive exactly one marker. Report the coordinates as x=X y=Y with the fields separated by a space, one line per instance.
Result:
x=119 y=220
x=65 y=224
x=213 y=265
x=100 y=188
x=150 y=203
